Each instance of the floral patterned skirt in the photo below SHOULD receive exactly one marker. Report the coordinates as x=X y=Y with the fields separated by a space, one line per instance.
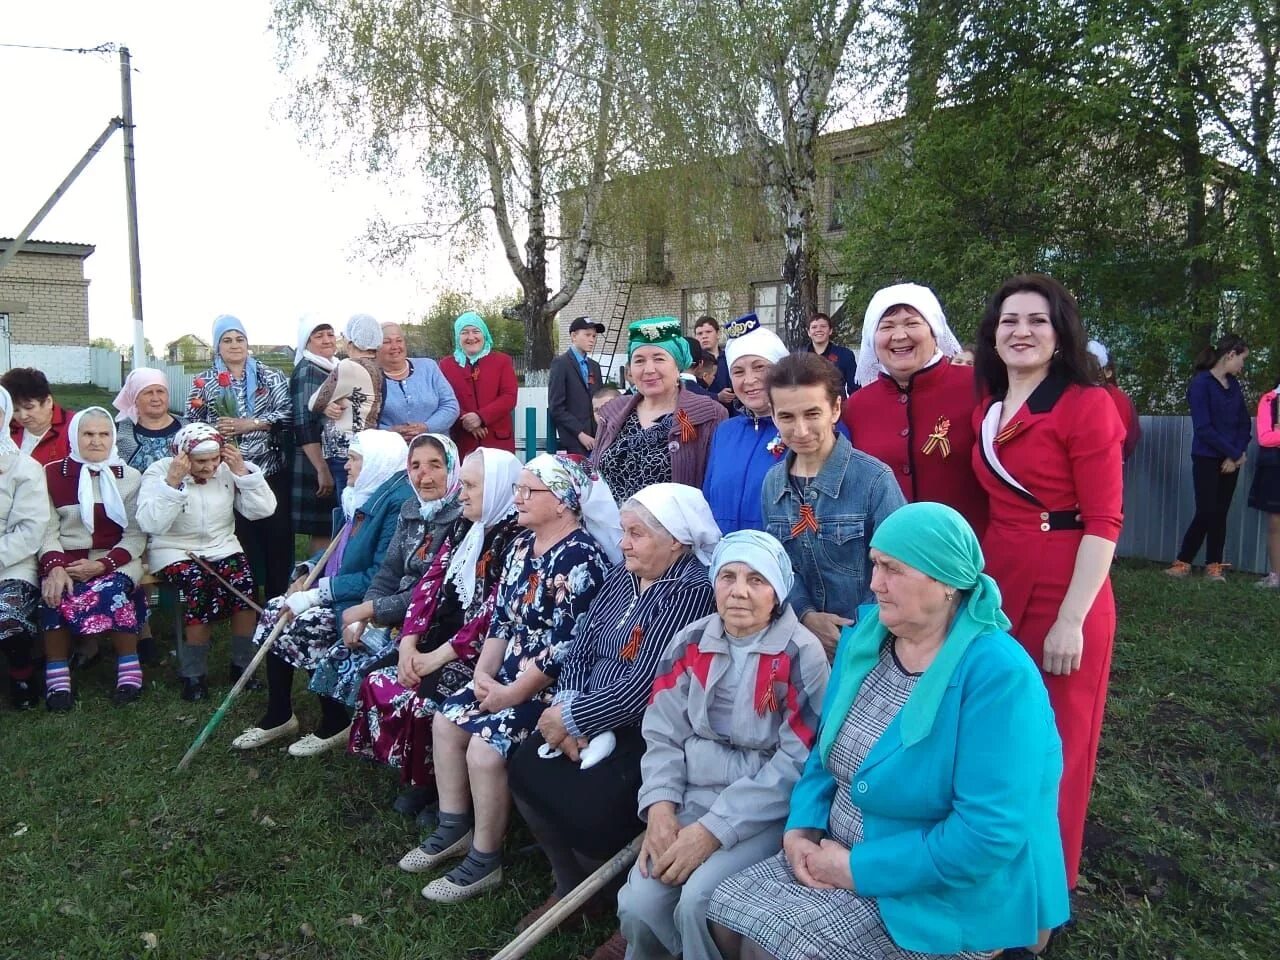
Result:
x=305 y=639
x=504 y=730
x=392 y=724
x=18 y=602
x=339 y=672
x=105 y=604
x=204 y=598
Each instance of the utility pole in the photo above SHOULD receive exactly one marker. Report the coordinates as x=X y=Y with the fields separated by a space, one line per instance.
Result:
x=131 y=204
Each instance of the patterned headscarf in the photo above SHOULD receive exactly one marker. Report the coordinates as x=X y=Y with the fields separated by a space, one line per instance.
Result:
x=6 y=410
x=126 y=400
x=427 y=509
x=661 y=332
x=111 y=499
x=364 y=332
x=470 y=319
x=586 y=494
x=197 y=438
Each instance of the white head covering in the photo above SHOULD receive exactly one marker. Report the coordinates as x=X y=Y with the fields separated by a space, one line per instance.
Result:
x=922 y=300
x=501 y=472
x=6 y=410
x=111 y=500
x=585 y=493
x=1099 y=352
x=753 y=341
x=308 y=324
x=384 y=454
x=762 y=553
x=126 y=400
x=683 y=512
x=363 y=331
x=197 y=438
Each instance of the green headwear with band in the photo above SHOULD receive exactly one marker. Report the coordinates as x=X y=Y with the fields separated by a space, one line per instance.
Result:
x=937 y=541
x=470 y=319
x=661 y=332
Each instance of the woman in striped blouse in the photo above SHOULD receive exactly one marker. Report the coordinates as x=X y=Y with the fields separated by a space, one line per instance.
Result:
x=581 y=817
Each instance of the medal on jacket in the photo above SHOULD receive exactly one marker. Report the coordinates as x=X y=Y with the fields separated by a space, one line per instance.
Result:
x=938 y=439
x=531 y=590
x=808 y=521
x=687 y=431
x=631 y=649
x=768 y=701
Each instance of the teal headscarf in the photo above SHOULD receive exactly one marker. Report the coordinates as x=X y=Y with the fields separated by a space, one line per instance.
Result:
x=936 y=540
x=661 y=332
x=470 y=319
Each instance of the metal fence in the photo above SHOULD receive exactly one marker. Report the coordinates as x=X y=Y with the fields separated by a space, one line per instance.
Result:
x=105 y=368
x=1159 y=502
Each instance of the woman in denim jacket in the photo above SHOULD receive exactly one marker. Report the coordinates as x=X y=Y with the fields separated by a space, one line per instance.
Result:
x=824 y=499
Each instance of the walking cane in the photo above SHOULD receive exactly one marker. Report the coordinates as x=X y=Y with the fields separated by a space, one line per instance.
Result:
x=247 y=675
x=222 y=580
x=532 y=935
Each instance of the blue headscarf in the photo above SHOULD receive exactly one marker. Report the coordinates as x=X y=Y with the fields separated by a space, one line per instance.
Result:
x=221 y=326
x=470 y=319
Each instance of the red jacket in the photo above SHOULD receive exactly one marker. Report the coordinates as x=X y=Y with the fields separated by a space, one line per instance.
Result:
x=1128 y=416
x=896 y=426
x=487 y=388
x=55 y=444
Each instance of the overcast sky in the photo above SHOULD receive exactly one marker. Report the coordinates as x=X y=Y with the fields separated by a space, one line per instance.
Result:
x=236 y=216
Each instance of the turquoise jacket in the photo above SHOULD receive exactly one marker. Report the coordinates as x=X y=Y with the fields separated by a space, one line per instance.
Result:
x=960 y=846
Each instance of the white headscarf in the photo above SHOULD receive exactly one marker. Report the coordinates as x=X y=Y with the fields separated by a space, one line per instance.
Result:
x=111 y=500
x=126 y=400
x=501 y=472
x=6 y=409
x=363 y=331
x=384 y=454
x=197 y=438
x=683 y=512
x=585 y=493
x=922 y=300
x=308 y=324
x=762 y=553
x=1099 y=352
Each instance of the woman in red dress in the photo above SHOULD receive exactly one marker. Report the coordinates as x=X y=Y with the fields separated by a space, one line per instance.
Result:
x=1049 y=457
x=484 y=381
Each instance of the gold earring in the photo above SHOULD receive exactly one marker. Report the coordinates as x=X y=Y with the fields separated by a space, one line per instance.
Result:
x=950 y=596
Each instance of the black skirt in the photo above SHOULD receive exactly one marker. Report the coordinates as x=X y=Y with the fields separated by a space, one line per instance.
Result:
x=592 y=811
x=1264 y=492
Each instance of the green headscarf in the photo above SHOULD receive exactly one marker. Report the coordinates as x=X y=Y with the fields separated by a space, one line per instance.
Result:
x=661 y=332
x=470 y=319
x=936 y=540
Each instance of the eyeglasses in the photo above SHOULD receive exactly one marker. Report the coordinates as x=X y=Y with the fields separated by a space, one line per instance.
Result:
x=523 y=492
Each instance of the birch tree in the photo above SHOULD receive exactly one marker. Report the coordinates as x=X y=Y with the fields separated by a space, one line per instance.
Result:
x=500 y=106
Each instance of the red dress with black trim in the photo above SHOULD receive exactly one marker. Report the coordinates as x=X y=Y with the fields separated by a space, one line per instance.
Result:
x=1053 y=474
x=924 y=433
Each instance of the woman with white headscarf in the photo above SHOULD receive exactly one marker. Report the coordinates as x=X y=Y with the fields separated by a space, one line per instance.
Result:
x=447 y=622
x=24 y=518
x=351 y=396
x=583 y=813
x=144 y=426
x=551 y=576
x=188 y=504
x=313 y=484
x=90 y=562
x=371 y=507
x=914 y=411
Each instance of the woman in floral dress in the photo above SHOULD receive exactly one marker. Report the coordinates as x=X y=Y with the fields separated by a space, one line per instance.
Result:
x=549 y=580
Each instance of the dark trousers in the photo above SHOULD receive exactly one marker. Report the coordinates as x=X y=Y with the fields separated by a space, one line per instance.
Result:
x=268 y=543
x=1214 y=490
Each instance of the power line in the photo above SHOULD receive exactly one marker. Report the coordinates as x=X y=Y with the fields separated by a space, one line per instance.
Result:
x=100 y=48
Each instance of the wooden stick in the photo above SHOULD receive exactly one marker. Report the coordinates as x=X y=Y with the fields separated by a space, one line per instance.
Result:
x=222 y=580
x=536 y=931
x=247 y=675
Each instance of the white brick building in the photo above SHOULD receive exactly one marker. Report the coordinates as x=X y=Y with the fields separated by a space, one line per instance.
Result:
x=44 y=310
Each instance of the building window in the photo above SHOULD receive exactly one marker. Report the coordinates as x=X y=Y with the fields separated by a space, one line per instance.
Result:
x=703 y=302
x=851 y=177
x=837 y=294
x=769 y=300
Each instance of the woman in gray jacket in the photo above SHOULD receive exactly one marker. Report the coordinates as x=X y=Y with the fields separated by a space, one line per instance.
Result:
x=734 y=710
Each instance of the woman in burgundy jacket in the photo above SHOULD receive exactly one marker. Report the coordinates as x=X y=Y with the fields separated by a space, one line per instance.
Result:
x=484 y=381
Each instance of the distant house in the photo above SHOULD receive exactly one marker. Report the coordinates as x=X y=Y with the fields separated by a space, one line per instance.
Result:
x=188 y=349
x=44 y=310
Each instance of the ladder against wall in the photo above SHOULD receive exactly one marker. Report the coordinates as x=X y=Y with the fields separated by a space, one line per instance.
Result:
x=615 y=327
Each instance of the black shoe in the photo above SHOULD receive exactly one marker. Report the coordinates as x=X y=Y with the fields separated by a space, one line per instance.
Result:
x=235 y=674
x=23 y=695
x=148 y=652
x=59 y=702
x=195 y=688
x=125 y=695
x=410 y=802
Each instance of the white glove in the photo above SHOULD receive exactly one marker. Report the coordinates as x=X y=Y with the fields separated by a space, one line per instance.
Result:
x=302 y=600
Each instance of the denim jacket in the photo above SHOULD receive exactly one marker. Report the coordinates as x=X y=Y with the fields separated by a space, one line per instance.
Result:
x=850 y=496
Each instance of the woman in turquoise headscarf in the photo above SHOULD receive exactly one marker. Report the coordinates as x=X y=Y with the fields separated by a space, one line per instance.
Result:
x=484 y=381
x=926 y=817
x=661 y=433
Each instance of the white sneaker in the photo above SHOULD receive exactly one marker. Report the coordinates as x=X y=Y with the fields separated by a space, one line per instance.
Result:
x=256 y=737
x=311 y=745
x=420 y=859
x=1270 y=582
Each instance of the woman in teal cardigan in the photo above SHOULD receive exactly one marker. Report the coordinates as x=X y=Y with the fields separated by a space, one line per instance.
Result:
x=926 y=816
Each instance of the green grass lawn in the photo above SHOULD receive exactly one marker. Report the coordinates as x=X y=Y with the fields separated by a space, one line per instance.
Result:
x=265 y=856
x=77 y=396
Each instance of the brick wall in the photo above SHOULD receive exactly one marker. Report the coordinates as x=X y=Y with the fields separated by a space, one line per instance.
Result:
x=47 y=299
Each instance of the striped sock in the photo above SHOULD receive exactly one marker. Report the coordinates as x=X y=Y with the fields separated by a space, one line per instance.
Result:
x=57 y=677
x=128 y=670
